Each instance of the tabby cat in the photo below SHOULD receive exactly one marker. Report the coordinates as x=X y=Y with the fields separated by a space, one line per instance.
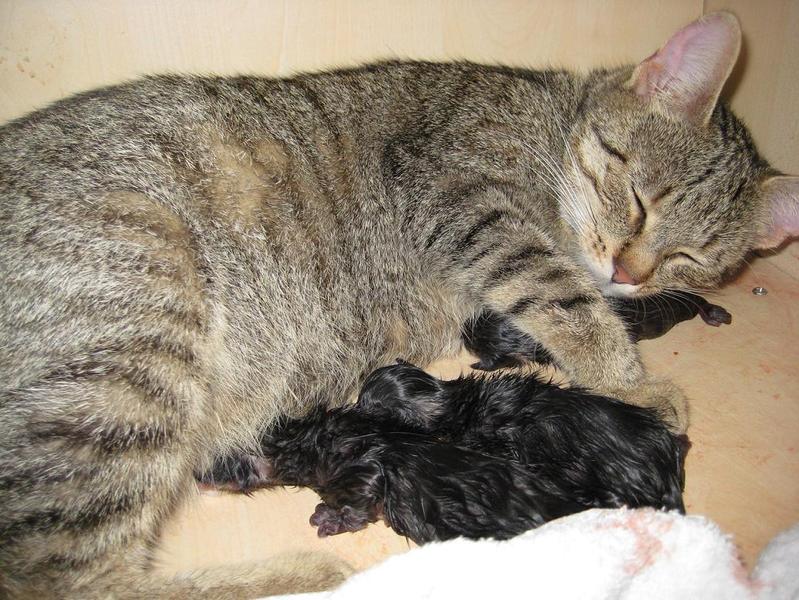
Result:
x=188 y=259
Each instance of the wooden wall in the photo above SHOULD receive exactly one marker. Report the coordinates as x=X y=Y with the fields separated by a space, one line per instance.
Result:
x=51 y=48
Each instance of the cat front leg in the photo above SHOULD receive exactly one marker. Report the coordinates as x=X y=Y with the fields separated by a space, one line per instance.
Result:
x=588 y=340
x=512 y=266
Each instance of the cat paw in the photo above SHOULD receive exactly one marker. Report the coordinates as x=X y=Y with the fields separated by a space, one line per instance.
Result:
x=240 y=473
x=665 y=398
x=326 y=520
x=715 y=315
x=330 y=521
x=252 y=473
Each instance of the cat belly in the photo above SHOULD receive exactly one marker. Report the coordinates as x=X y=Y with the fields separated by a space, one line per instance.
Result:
x=317 y=345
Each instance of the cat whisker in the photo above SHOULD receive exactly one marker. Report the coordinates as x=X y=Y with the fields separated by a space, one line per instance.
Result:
x=573 y=209
x=577 y=214
x=567 y=199
x=700 y=291
x=677 y=296
x=585 y=205
x=667 y=306
x=751 y=266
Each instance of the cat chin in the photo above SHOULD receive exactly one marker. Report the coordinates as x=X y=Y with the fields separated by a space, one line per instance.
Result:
x=600 y=271
x=619 y=290
x=614 y=290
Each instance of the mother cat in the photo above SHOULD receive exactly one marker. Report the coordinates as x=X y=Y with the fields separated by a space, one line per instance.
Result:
x=187 y=259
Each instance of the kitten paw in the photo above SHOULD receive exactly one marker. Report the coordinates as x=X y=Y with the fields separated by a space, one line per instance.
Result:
x=668 y=400
x=715 y=315
x=330 y=521
x=243 y=473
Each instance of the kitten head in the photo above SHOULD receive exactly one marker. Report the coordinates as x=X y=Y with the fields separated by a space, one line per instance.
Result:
x=669 y=190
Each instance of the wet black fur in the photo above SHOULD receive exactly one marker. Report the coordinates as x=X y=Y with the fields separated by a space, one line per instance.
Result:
x=474 y=457
x=499 y=344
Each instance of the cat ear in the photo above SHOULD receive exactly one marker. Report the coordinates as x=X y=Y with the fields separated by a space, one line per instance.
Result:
x=781 y=193
x=686 y=75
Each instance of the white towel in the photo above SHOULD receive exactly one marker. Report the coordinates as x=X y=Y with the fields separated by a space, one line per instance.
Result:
x=595 y=555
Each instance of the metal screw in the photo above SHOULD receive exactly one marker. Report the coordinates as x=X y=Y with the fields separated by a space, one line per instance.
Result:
x=760 y=291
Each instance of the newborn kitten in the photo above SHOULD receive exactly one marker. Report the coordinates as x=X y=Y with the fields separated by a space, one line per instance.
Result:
x=475 y=457
x=422 y=488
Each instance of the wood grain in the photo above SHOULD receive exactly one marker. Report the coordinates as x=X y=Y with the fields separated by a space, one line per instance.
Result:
x=764 y=88
x=51 y=48
x=744 y=468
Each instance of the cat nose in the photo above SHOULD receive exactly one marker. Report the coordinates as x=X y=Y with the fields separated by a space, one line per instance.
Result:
x=620 y=274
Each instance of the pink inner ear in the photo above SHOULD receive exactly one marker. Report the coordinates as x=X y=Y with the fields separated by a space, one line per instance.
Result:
x=782 y=195
x=687 y=74
x=662 y=66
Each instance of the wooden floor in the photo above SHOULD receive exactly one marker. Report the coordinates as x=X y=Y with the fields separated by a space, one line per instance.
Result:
x=742 y=471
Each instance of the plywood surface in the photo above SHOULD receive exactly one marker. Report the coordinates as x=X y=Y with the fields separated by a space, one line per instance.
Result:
x=51 y=48
x=743 y=470
x=764 y=87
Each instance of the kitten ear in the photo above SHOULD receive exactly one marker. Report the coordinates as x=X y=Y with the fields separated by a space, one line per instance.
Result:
x=781 y=194
x=686 y=75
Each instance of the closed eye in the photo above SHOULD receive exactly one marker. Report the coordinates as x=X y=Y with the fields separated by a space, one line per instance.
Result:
x=609 y=148
x=639 y=218
x=639 y=203
x=681 y=255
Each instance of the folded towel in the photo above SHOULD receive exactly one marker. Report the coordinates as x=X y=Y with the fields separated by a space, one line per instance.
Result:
x=598 y=554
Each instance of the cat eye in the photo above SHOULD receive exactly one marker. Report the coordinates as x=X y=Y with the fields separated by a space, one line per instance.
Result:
x=640 y=215
x=685 y=256
x=609 y=148
x=639 y=203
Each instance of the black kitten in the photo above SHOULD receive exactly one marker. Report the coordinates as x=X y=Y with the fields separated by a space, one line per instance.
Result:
x=499 y=344
x=602 y=451
x=476 y=457
x=365 y=470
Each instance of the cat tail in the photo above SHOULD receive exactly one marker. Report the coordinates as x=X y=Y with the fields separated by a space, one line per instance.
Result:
x=290 y=573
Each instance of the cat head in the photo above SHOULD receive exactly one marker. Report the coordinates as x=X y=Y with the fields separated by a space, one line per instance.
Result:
x=668 y=189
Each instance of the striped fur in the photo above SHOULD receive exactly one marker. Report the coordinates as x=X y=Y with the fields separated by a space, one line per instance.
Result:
x=185 y=260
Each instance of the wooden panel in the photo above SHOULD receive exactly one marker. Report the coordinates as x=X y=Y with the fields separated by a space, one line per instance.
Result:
x=51 y=48
x=744 y=469
x=764 y=88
